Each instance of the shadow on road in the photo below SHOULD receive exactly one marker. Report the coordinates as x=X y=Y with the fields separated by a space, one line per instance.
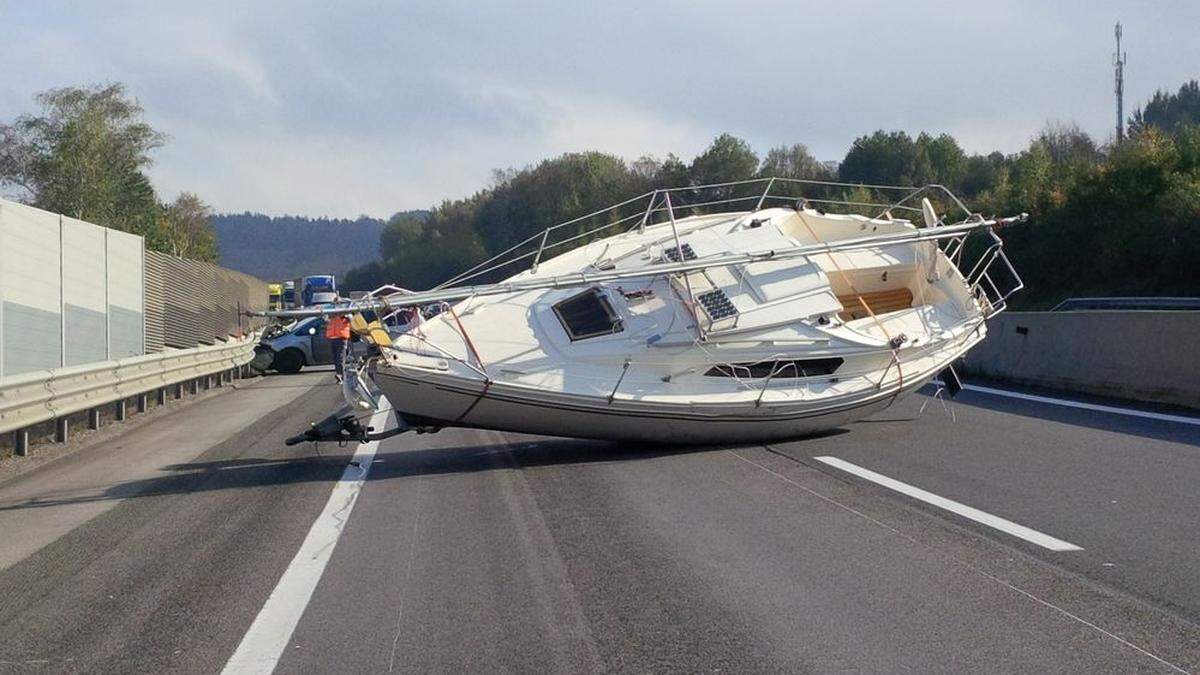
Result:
x=252 y=472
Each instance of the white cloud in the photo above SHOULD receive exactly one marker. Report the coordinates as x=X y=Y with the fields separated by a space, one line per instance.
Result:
x=276 y=171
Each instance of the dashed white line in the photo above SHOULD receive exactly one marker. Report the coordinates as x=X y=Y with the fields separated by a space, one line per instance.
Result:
x=264 y=643
x=1164 y=417
x=1006 y=526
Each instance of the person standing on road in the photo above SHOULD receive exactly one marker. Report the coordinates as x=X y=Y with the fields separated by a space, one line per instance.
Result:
x=337 y=331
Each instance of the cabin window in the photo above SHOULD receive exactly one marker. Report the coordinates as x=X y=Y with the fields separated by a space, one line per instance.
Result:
x=784 y=369
x=587 y=315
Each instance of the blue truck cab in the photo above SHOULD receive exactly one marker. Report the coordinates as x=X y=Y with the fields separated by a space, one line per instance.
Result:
x=315 y=289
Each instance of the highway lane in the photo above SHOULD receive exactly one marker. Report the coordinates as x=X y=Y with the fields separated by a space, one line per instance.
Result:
x=537 y=554
x=37 y=509
x=175 y=541
x=1123 y=488
x=471 y=550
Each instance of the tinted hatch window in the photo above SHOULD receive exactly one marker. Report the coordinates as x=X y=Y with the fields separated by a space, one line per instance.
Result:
x=588 y=314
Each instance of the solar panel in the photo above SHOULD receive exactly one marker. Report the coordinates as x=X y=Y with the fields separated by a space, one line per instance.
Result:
x=671 y=253
x=716 y=304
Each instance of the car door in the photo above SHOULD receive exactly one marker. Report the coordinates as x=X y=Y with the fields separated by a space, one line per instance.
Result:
x=322 y=352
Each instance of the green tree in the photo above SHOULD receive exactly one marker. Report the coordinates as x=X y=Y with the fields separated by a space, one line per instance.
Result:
x=938 y=160
x=793 y=161
x=982 y=173
x=401 y=231
x=672 y=173
x=728 y=159
x=1169 y=112
x=83 y=156
x=882 y=159
x=1127 y=225
x=185 y=229
x=448 y=242
x=1031 y=172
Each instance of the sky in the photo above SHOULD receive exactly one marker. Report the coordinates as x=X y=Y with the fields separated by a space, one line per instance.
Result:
x=356 y=107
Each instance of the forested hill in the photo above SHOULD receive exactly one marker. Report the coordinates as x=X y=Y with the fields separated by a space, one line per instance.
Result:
x=285 y=247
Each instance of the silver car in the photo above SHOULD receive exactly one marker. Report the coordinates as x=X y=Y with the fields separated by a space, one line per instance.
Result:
x=299 y=345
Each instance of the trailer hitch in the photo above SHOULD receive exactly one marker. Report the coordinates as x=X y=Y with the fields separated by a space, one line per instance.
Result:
x=343 y=427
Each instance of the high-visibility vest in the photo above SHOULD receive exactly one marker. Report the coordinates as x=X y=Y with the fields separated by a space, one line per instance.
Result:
x=337 y=328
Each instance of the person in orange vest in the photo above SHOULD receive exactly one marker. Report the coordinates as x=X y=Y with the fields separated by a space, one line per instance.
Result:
x=337 y=331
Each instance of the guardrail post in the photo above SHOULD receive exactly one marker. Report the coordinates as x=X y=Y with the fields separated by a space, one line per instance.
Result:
x=142 y=403
x=194 y=386
x=178 y=390
x=21 y=442
x=94 y=419
x=119 y=410
x=61 y=430
x=161 y=398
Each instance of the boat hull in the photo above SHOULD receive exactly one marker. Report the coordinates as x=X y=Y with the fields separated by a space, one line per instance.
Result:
x=467 y=403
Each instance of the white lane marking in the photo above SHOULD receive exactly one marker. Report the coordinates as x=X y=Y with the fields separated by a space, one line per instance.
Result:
x=269 y=635
x=1182 y=419
x=1030 y=535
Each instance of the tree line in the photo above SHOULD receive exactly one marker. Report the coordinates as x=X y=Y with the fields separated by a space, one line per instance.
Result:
x=84 y=155
x=1117 y=219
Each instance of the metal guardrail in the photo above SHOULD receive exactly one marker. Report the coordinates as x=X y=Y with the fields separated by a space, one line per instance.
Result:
x=1139 y=303
x=45 y=395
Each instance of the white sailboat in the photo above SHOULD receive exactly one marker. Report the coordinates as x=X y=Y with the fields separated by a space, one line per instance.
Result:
x=774 y=321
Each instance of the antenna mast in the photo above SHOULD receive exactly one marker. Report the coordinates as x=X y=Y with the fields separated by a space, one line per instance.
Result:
x=1119 y=63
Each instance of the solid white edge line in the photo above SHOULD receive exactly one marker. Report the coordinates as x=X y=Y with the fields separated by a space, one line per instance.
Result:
x=1007 y=526
x=1182 y=419
x=268 y=636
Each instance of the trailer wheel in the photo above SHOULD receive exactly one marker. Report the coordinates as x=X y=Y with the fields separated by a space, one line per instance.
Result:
x=289 y=361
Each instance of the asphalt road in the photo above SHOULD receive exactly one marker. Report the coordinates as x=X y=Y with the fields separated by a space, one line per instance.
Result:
x=481 y=551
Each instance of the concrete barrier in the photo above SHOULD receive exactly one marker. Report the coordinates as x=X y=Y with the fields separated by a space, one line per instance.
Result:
x=1140 y=355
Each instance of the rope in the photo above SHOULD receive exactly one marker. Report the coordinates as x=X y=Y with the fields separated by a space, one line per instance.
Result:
x=487 y=383
x=466 y=338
